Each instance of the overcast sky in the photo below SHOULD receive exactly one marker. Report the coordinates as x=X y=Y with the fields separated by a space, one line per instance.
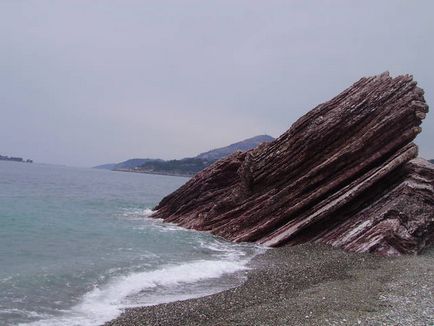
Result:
x=89 y=82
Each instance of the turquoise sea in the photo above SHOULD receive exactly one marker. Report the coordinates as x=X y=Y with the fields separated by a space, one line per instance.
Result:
x=77 y=247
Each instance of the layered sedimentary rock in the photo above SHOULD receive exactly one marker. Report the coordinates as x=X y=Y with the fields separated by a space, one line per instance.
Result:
x=344 y=174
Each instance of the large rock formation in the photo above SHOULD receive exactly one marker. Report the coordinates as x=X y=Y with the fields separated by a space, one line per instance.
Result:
x=344 y=174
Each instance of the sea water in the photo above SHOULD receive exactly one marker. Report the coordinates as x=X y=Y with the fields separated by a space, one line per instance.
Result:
x=77 y=247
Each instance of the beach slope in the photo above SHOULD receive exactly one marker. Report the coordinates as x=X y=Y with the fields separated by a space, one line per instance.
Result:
x=311 y=284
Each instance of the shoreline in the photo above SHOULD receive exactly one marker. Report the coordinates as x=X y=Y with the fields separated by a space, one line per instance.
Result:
x=310 y=284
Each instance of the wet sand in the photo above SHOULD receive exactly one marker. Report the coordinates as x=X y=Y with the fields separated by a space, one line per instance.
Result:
x=311 y=285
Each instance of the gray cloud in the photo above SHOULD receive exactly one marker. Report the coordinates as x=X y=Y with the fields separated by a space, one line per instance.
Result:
x=87 y=82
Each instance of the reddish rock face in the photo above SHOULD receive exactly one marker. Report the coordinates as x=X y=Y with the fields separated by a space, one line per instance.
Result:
x=343 y=174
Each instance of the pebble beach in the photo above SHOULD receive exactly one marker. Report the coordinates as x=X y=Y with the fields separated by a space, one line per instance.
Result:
x=310 y=284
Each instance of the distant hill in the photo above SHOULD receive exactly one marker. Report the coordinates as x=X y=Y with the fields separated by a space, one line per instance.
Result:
x=186 y=166
x=244 y=145
x=128 y=164
x=191 y=165
x=432 y=161
x=135 y=162
x=108 y=166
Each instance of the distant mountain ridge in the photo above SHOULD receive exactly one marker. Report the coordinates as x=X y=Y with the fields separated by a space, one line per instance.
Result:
x=128 y=164
x=187 y=166
x=244 y=145
x=107 y=166
x=432 y=161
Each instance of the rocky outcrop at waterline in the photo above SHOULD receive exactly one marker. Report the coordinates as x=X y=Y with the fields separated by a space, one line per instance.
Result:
x=344 y=174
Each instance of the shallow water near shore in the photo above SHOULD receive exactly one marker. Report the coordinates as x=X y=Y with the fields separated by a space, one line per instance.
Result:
x=76 y=247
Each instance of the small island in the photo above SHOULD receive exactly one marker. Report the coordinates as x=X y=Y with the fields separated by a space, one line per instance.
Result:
x=14 y=159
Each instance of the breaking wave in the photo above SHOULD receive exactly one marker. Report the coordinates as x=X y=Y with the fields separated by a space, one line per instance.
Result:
x=106 y=302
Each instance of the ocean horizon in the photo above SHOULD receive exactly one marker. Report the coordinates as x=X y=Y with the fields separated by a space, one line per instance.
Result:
x=77 y=247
